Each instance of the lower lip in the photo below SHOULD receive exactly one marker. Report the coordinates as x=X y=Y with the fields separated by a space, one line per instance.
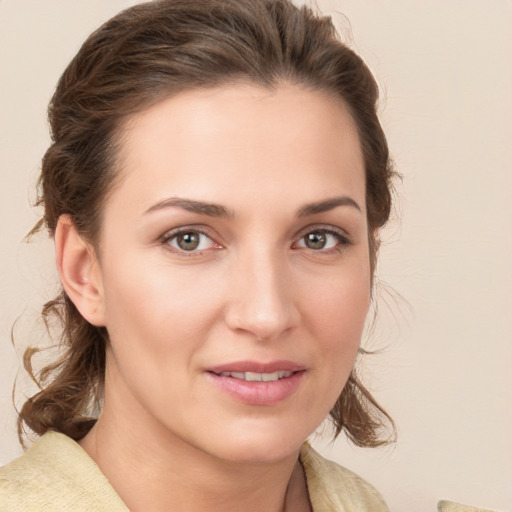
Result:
x=259 y=392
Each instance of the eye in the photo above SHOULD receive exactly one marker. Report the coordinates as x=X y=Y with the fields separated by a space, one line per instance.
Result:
x=189 y=241
x=322 y=240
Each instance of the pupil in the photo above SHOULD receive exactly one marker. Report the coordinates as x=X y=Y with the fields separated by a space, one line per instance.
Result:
x=315 y=240
x=188 y=241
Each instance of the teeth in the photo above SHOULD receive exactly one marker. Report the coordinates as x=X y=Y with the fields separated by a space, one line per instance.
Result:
x=257 y=377
x=253 y=377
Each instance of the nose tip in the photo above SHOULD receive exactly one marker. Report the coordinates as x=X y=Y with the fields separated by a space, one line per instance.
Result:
x=263 y=305
x=265 y=322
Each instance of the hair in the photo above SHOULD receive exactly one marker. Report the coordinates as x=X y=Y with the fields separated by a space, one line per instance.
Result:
x=150 y=52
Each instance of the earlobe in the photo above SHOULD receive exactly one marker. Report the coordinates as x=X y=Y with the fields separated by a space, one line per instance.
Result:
x=79 y=271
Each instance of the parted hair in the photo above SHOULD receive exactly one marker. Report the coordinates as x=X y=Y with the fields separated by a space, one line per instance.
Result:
x=147 y=53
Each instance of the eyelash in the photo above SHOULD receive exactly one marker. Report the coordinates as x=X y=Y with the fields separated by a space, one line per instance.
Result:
x=341 y=237
x=174 y=234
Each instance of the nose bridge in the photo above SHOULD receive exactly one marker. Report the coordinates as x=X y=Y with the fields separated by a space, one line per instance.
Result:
x=262 y=304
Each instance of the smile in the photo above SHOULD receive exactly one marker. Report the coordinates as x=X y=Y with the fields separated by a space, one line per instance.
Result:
x=257 y=384
x=257 y=377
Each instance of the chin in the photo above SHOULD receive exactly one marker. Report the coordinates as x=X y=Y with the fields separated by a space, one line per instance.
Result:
x=260 y=443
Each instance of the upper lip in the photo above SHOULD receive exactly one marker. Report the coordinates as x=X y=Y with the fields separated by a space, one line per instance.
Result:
x=257 y=367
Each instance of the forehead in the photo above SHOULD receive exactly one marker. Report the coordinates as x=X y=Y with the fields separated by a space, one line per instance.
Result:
x=242 y=141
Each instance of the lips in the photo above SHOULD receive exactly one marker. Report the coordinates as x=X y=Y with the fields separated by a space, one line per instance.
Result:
x=255 y=383
x=256 y=367
x=256 y=376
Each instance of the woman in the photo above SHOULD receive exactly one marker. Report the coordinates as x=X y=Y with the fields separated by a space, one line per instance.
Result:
x=215 y=187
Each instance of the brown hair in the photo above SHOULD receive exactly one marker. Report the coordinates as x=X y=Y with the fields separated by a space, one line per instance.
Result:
x=140 y=56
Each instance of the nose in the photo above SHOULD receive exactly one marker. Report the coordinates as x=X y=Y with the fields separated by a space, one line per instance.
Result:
x=262 y=302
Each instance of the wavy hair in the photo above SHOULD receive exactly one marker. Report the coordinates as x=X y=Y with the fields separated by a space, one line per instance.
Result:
x=141 y=56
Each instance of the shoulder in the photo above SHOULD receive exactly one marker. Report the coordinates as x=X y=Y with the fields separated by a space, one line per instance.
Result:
x=333 y=488
x=56 y=474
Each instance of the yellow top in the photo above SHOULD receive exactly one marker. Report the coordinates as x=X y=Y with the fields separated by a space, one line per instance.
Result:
x=56 y=474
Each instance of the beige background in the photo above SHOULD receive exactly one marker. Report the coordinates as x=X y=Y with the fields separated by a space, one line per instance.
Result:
x=446 y=373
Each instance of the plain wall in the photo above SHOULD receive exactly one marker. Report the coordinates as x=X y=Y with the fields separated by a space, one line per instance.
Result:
x=445 y=68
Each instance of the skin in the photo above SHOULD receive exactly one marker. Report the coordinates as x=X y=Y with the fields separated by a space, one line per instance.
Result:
x=255 y=289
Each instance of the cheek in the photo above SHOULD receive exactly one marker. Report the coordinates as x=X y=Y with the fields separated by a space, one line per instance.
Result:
x=336 y=319
x=339 y=308
x=157 y=318
x=152 y=307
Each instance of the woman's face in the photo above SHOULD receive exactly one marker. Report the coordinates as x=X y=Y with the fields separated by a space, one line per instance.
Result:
x=234 y=269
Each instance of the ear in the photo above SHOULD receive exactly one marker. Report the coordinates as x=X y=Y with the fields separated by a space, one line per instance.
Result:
x=79 y=271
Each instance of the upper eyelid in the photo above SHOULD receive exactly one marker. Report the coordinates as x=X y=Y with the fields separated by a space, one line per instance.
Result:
x=322 y=227
x=171 y=233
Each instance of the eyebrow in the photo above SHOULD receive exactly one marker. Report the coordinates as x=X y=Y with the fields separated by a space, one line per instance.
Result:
x=328 y=204
x=217 y=210
x=210 y=209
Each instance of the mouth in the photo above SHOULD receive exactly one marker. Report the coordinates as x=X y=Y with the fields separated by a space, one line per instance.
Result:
x=256 y=383
x=256 y=376
x=252 y=370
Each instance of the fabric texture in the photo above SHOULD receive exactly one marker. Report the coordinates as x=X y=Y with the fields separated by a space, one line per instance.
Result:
x=56 y=474
x=333 y=488
x=450 y=506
